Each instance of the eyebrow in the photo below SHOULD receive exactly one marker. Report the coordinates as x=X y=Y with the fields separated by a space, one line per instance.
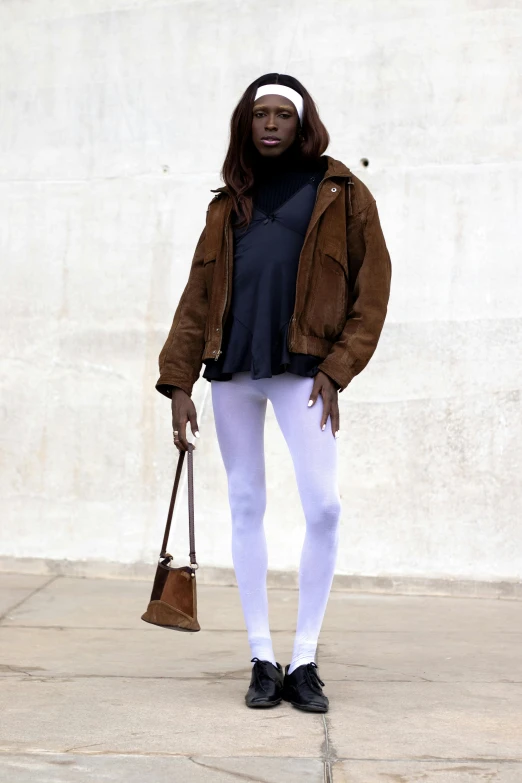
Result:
x=264 y=106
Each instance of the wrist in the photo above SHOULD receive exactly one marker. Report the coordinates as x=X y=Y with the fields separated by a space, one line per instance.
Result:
x=332 y=381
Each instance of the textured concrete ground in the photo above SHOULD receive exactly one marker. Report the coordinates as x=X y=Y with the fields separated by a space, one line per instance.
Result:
x=421 y=689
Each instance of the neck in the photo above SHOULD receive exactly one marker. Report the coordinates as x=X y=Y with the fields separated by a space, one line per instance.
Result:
x=290 y=159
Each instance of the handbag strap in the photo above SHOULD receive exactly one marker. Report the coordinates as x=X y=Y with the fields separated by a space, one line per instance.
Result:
x=190 y=471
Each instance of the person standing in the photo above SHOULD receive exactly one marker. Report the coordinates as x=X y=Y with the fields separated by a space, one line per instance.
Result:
x=285 y=301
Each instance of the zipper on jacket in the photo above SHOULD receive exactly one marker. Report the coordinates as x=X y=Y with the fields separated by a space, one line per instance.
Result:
x=292 y=319
x=349 y=193
x=218 y=352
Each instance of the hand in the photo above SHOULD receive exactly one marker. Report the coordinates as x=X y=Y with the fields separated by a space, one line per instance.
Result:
x=183 y=410
x=324 y=385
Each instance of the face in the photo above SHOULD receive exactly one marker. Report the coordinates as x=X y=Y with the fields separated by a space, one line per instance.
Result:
x=274 y=117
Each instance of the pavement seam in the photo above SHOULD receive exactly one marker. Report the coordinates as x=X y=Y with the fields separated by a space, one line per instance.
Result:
x=236 y=630
x=238 y=775
x=218 y=679
x=79 y=676
x=435 y=760
x=328 y=753
x=16 y=751
x=28 y=596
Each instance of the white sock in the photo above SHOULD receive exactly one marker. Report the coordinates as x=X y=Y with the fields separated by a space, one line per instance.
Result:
x=262 y=648
x=304 y=652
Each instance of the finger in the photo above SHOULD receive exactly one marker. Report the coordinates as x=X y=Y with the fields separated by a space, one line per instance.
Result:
x=175 y=431
x=175 y=428
x=326 y=411
x=314 y=393
x=194 y=424
x=182 y=437
x=334 y=418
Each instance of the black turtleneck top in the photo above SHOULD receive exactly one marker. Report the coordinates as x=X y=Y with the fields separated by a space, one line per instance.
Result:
x=266 y=257
x=276 y=179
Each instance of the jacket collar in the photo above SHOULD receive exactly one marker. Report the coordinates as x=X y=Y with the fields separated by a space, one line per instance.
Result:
x=336 y=168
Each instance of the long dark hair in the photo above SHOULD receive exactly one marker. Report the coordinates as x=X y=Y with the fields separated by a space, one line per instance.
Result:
x=237 y=171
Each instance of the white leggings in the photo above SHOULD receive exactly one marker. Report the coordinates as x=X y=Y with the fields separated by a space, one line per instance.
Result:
x=239 y=411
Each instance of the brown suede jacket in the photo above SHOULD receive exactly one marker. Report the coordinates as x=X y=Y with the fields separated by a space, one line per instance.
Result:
x=342 y=289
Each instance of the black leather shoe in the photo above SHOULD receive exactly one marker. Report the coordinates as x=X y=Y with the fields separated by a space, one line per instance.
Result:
x=266 y=684
x=303 y=689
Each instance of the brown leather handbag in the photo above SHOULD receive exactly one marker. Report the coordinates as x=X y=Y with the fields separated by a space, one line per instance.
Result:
x=173 y=601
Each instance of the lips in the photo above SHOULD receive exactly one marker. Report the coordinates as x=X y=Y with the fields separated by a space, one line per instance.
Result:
x=270 y=142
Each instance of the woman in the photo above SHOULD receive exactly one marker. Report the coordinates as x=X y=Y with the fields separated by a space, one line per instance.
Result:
x=285 y=301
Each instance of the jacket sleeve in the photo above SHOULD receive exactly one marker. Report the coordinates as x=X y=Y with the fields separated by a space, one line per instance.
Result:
x=367 y=253
x=181 y=356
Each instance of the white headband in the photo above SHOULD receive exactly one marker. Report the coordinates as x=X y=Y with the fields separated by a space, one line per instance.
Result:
x=281 y=89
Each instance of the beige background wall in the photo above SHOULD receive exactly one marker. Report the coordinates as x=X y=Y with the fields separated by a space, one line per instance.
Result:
x=113 y=126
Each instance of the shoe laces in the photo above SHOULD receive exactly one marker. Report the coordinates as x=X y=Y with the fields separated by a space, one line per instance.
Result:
x=312 y=676
x=260 y=671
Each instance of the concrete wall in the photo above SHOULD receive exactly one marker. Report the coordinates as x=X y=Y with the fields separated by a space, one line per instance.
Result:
x=113 y=126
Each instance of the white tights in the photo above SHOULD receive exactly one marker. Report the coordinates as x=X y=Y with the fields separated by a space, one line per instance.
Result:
x=239 y=411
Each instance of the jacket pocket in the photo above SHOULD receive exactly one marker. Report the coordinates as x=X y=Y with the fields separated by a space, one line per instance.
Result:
x=332 y=257
x=330 y=291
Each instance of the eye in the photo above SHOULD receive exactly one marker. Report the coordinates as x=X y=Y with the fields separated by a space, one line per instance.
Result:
x=285 y=115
